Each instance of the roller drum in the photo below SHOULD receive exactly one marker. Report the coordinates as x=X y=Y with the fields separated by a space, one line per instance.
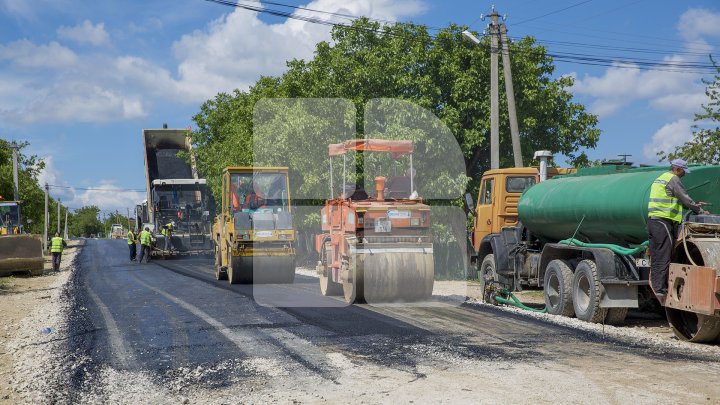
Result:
x=262 y=270
x=394 y=273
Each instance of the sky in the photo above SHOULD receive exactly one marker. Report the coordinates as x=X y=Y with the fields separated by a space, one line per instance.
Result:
x=80 y=80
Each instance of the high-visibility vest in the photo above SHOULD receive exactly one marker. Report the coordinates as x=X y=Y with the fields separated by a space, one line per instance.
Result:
x=662 y=205
x=57 y=245
x=131 y=238
x=145 y=238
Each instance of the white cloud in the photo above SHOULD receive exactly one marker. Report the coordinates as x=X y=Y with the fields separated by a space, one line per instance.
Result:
x=25 y=54
x=108 y=197
x=235 y=49
x=85 y=33
x=668 y=137
x=105 y=195
x=620 y=86
x=76 y=101
x=231 y=52
x=19 y=8
x=696 y=23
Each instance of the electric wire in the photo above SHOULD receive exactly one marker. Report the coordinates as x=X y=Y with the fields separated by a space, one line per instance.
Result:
x=622 y=62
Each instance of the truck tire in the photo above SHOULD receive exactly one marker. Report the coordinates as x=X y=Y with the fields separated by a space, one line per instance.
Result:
x=558 y=288
x=587 y=291
x=615 y=316
x=487 y=275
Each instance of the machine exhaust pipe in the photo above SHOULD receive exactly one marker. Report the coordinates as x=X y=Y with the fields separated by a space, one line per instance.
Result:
x=543 y=156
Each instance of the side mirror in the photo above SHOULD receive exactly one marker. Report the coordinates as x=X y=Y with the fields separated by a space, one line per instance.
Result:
x=470 y=203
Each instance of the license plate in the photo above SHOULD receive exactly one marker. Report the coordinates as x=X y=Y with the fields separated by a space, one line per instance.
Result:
x=642 y=262
x=383 y=225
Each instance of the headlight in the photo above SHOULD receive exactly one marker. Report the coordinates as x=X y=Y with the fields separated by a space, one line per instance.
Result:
x=415 y=221
x=284 y=236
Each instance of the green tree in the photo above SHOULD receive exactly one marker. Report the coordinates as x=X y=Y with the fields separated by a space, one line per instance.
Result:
x=704 y=147
x=85 y=222
x=443 y=74
x=31 y=194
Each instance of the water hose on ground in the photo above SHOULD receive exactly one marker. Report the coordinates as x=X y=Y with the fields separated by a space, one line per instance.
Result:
x=516 y=302
x=615 y=248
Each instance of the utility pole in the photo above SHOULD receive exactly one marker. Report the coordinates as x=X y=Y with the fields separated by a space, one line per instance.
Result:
x=58 y=203
x=128 y=216
x=498 y=34
x=65 y=234
x=47 y=220
x=14 y=147
x=494 y=102
x=510 y=93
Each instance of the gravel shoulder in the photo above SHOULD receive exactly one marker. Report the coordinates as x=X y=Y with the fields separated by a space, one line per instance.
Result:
x=32 y=320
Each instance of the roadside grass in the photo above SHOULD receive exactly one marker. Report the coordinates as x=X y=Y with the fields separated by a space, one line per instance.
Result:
x=6 y=283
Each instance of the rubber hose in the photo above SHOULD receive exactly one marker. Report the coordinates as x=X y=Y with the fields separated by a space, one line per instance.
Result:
x=615 y=248
x=516 y=302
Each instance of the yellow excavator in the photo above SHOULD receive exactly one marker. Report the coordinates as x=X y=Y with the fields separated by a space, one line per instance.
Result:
x=19 y=252
x=253 y=234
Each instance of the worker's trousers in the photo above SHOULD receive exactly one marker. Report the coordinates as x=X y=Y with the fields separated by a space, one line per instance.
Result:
x=144 y=253
x=56 y=256
x=133 y=251
x=661 y=233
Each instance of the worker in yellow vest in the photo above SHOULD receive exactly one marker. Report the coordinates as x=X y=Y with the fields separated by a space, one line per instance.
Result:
x=145 y=245
x=667 y=199
x=131 y=238
x=167 y=232
x=57 y=244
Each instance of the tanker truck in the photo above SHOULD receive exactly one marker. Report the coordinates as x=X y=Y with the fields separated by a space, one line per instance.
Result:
x=175 y=195
x=581 y=237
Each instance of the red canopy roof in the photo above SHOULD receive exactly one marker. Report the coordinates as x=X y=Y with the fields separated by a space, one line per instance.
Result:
x=397 y=148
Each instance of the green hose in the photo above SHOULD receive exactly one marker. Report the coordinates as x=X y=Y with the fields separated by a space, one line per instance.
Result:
x=615 y=248
x=516 y=302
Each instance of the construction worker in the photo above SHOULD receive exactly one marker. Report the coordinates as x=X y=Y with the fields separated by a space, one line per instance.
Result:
x=131 y=244
x=57 y=244
x=167 y=231
x=254 y=199
x=145 y=242
x=667 y=199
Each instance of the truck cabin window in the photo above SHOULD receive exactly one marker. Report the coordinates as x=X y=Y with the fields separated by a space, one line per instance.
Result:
x=487 y=190
x=519 y=184
x=251 y=192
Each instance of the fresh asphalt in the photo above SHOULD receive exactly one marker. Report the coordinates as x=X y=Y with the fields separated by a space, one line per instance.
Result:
x=171 y=314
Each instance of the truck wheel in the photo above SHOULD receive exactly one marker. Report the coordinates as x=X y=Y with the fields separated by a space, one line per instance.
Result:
x=220 y=271
x=487 y=275
x=615 y=316
x=558 y=288
x=587 y=291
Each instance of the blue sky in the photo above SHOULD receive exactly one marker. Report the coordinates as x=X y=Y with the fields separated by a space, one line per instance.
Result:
x=79 y=80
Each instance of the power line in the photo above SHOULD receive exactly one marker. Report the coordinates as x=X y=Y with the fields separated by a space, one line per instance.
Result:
x=568 y=57
x=98 y=189
x=551 y=13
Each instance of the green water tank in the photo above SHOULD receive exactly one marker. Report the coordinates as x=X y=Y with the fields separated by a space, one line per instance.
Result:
x=612 y=200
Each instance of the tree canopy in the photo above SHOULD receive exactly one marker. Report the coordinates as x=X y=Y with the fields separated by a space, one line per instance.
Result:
x=30 y=193
x=444 y=75
x=704 y=147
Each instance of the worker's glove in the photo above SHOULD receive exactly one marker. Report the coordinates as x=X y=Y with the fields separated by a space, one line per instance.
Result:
x=703 y=212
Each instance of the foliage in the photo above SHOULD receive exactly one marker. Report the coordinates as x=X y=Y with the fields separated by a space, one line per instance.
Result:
x=31 y=194
x=85 y=222
x=704 y=147
x=444 y=76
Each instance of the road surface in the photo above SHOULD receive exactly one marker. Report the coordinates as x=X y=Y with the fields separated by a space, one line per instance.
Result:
x=167 y=331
